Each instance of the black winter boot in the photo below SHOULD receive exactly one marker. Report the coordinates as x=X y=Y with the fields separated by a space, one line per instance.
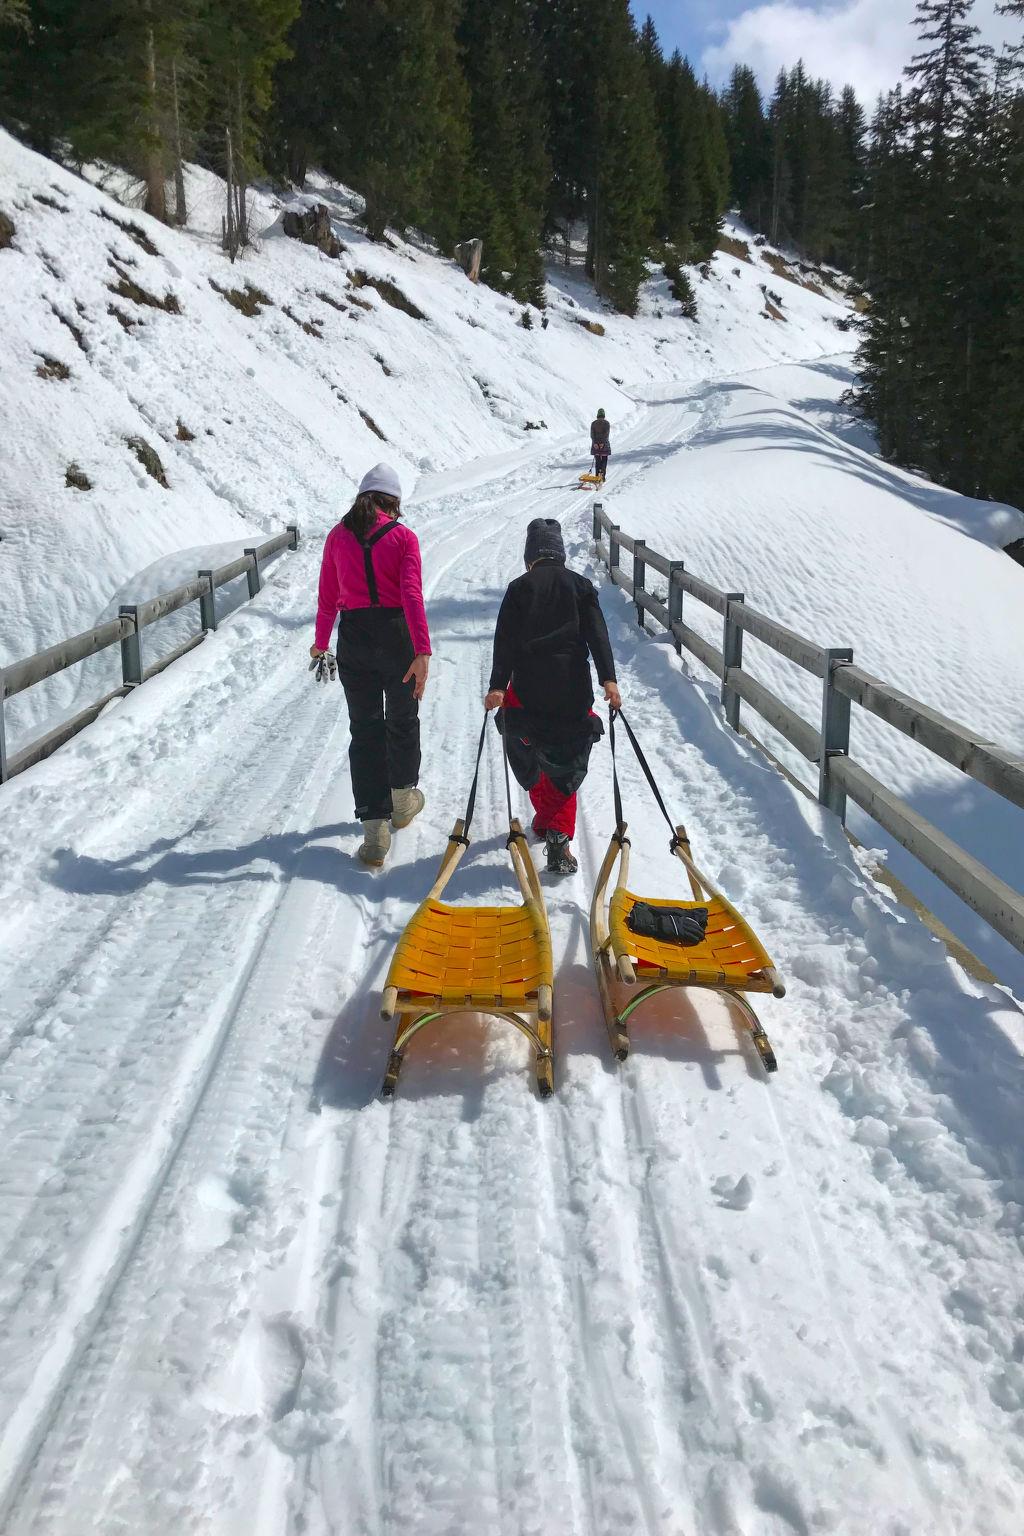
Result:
x=560 y=857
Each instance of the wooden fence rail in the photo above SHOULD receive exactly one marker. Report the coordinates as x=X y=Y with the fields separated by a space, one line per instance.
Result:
x=828 y=743
x=126 y=631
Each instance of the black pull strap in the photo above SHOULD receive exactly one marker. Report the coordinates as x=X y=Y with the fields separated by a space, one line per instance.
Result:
x=371 y=577
x=508 y=781
x=467 y=820
x=649 y=776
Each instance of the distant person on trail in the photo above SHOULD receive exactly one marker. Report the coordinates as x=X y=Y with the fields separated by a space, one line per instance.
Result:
x=371 y=573
x=549 y=627
x=601 y=443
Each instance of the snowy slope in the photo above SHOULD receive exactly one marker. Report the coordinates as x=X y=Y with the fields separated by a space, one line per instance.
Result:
x=279 y=415
x=763 y=497
x=677 y=1299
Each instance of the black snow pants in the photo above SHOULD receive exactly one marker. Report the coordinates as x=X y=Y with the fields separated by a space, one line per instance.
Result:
x=375 y=651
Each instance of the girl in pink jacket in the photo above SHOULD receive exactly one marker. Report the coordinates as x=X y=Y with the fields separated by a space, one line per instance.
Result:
x=370 y=573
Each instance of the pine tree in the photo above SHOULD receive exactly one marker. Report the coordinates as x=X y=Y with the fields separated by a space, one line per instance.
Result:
x=509 y=172
x=749 y=141
x=399 y=110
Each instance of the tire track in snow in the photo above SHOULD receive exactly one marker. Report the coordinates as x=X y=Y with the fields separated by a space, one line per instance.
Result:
x=117 y=1238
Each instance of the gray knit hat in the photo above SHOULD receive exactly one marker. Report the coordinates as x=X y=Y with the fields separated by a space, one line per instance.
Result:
x=381 y=478
x=544 y=540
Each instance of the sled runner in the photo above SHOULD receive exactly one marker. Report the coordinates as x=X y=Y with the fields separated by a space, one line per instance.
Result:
x=671 y=943
x=494 y=960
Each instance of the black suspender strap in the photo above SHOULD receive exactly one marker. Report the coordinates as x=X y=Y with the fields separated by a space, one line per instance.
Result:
x=371 y=579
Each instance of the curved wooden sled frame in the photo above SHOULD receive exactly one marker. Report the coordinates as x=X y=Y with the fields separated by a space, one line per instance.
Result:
x=615 y=967
x=533 y=1016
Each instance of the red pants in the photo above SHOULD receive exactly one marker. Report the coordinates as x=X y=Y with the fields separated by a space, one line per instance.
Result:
x=555 y=812
x=550 y=772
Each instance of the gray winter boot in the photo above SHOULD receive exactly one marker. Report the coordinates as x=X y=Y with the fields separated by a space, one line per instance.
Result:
x=375 y=844
x=405 y=804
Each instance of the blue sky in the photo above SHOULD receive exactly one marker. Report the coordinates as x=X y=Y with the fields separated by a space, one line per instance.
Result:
x=864 y=43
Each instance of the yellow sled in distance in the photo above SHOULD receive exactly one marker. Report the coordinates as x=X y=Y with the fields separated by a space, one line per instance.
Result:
x=493 y=960
x=729 y=960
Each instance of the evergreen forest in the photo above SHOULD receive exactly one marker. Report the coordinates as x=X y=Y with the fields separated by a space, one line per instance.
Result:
x=540 y=126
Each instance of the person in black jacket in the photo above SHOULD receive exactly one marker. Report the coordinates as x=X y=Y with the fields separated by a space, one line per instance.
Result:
x=550 y=626
x=601 y=444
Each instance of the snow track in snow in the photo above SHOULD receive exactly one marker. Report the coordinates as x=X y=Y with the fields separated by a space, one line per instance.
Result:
x=675 y=1300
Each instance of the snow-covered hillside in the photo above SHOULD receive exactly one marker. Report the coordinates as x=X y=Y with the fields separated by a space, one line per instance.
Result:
x=677 y=1299
x=284 y=407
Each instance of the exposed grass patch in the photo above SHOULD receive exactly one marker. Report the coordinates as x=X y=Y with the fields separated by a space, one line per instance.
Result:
x=325 y=298
x=50 y=202
x=183 y=434
x=360 y=303
x=76 y=479
x=52 y=367
x=149 y=459
x=250 y=300
x=733 y=247
x=309 y=326
x=388 y=372
x=372 y=425
x=388 y=291
x=6 y=231
x=133 y=231
x=70 y=325
x=128 y=288
x=593 y=326
x=772 y=311
x=782 y=268
x=126 y=322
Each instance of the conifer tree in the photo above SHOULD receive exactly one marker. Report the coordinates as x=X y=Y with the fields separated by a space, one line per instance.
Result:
x=509 y=172
x=399 y=109
x=749 y=142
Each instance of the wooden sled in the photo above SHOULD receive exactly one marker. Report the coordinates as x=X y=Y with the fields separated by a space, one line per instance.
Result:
x=494 y=960
x=730 y=960
x=588 y=479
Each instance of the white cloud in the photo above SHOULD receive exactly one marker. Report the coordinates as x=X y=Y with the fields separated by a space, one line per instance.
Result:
x=863 y=43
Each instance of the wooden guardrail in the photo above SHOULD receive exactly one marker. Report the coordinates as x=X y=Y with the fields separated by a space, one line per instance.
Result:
x=126 y=631
x=828 y=745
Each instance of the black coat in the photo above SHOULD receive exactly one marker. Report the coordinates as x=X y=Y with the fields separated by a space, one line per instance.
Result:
x=549 y=625
x=601 y=431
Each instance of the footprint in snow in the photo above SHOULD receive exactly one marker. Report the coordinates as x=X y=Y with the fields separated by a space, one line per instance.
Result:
x=734 y=1193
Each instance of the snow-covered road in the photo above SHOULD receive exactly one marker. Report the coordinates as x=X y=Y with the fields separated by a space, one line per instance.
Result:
x=676 y=1299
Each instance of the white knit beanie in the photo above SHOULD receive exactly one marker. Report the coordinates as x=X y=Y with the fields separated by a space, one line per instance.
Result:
x=381 y=478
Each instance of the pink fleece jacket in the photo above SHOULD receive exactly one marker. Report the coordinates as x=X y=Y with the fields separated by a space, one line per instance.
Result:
x=396 y=566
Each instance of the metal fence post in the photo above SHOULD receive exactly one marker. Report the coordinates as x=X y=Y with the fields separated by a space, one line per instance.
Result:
x=131 y=649
x=598 y=509
x=208 y=602
x=639 y=577
x=835 y=732
x=3 y=735
x=732 y=656
x=293 y=529
x=252 y=575
x=614 y=550
x=675 y=602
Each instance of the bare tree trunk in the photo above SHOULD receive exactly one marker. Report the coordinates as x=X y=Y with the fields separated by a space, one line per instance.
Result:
x=156 y=201
x=180 y=211
x=241 y=173
x=230 y=240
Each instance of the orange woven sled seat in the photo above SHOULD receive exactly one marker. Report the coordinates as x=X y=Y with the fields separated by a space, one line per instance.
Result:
x=492 y=960
x=730 y=959
x=488 y=956
x=730 y=955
